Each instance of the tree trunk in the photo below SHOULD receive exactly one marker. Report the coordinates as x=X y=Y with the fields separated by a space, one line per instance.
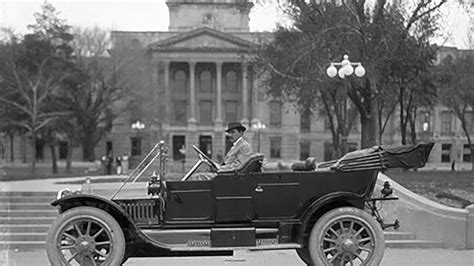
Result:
x=413 y=130
x=68 y=159
x=88 y=148
x=12 y=150
x=33 y=160
x=369 y=127
x=54 y=160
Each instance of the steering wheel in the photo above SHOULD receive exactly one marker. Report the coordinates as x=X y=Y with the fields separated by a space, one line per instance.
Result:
x=204 y=157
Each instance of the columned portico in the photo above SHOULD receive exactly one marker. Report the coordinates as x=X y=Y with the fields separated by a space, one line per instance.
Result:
x=193 y=119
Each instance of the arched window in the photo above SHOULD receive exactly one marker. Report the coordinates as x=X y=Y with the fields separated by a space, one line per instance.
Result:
x=205 y=81
x=231 y=81
x=180 y=81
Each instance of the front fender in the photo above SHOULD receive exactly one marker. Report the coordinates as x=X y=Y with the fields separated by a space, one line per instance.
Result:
x=107 y=205
x=122 y=217
x=77 y=200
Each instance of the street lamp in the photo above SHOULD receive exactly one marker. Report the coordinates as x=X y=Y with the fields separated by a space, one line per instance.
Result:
x=346 y=68
x=138 y=125
x=258 y=126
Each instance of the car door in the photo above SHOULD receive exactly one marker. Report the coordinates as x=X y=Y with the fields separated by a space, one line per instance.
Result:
x=275 y=195
x=233 y=195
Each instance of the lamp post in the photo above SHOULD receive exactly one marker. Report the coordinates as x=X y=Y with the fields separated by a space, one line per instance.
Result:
x=346 y=68
x=258 y=126
x=138 y=125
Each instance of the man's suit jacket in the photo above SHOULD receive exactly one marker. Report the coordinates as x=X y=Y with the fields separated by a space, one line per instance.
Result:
x=239 y=153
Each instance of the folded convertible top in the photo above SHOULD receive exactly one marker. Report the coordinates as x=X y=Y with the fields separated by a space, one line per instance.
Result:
x=375 y=158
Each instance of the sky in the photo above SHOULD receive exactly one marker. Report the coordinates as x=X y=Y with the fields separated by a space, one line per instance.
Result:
x=152 y=15
x=126 y=15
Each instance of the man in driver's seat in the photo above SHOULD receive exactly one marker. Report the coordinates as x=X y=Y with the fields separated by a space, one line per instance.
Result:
x=239 y=153
x=241 y=149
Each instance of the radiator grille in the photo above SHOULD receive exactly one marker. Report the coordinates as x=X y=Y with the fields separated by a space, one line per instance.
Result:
x=144 y=211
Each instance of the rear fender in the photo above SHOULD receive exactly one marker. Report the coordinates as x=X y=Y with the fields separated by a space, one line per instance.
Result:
x=322 y=205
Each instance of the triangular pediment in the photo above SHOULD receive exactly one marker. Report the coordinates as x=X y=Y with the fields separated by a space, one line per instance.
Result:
x=202 y=39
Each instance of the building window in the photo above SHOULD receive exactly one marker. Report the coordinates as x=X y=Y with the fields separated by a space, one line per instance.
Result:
x=180 y=111
x=305 y=121
x=205 y=145
x=205 y=111
x=466 y=153
x=446 y=153
x=231 y=111
x=180 y=81
x=63 y=148
x=205 y=81
x=136 y=146
x=179 y=148
x=304 y=149
x=275 y=114
x=446 y=123
x=231 y=81
x=275 y=147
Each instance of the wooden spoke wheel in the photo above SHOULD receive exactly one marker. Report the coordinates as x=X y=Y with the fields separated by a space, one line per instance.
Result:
x=346 y=236
x=85 y=236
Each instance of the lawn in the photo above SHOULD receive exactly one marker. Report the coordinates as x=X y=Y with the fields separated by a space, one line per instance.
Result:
x=454 y=189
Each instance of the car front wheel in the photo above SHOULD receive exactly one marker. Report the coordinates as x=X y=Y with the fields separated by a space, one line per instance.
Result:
x=346 y=236
x=85 y=236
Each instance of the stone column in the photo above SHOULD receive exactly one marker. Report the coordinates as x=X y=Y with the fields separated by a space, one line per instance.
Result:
x=245 y=94
x=219 y=95
x=168 y=104
x=192 y=94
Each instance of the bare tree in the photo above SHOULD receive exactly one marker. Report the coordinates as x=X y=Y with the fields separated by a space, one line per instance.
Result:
x=28 y=83
x=98 y=92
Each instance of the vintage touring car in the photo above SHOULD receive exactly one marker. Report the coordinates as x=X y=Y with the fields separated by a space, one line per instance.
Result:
x=325 y=211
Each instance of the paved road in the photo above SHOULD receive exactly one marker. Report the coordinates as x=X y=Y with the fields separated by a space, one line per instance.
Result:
x=393 y=257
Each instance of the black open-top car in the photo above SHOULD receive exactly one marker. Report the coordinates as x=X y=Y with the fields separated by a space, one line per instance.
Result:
x=325 y=211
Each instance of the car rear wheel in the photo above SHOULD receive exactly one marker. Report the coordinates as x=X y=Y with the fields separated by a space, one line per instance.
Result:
x=85 y=236
x=346 y=236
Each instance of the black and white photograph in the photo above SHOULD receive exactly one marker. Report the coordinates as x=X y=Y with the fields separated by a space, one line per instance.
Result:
x=237 y=132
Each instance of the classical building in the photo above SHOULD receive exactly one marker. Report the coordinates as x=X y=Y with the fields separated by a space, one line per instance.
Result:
x=193 y=79
x=201 y=80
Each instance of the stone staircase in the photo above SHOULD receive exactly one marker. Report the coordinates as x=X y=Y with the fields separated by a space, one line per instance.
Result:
x=25 y=218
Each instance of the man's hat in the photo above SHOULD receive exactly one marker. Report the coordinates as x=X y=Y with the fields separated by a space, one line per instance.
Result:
x=235 y=125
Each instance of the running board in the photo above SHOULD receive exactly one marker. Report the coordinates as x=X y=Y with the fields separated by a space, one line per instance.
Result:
x=262 y=247
x=220 y=239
